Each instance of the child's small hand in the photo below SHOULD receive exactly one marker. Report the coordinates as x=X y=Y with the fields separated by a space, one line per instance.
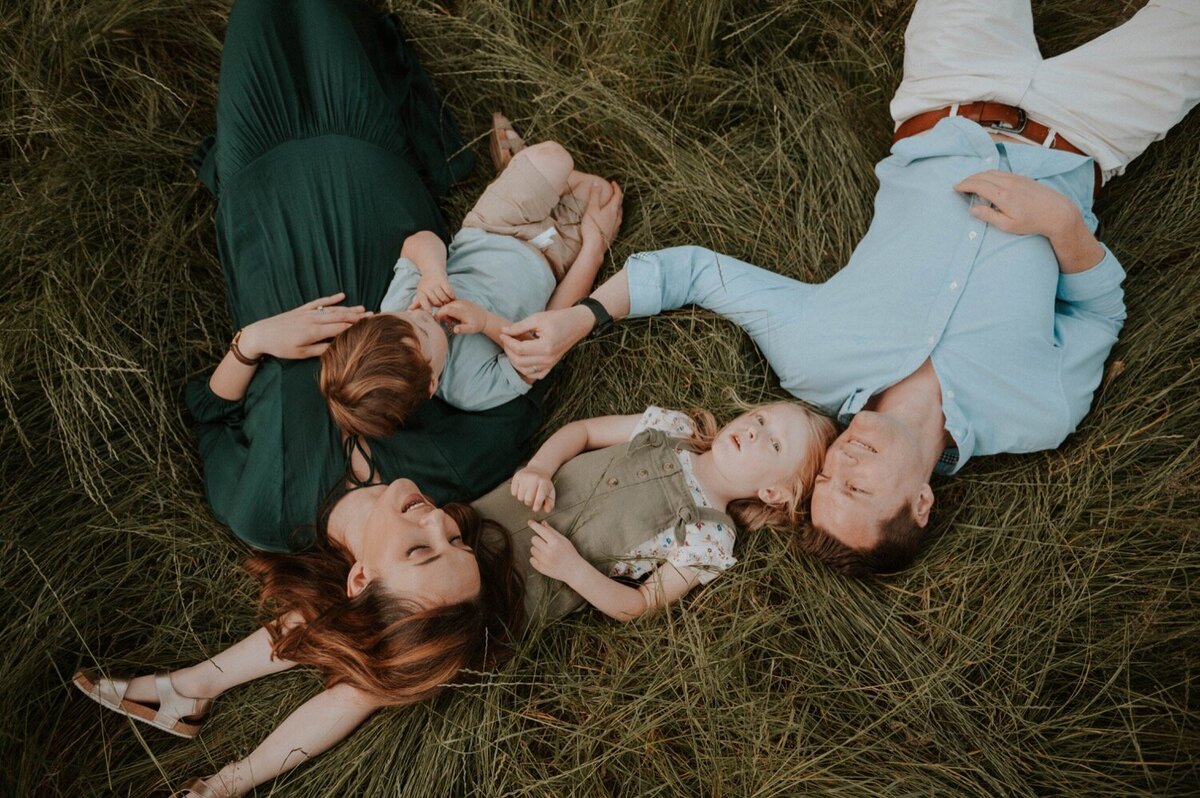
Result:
x=467 y=317
x=534 y=488
x=554 y=555
x=603 y=220
x=433 y=291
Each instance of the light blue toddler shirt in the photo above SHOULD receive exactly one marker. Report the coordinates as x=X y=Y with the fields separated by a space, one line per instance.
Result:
x=500 y=274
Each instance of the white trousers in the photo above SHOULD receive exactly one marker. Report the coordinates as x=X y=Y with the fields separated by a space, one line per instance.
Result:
x=1110 y=97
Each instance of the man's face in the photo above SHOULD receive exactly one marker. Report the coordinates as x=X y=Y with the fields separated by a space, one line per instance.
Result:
x=870 y=471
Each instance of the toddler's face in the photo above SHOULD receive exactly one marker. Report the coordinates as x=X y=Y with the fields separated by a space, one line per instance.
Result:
x=763 y=448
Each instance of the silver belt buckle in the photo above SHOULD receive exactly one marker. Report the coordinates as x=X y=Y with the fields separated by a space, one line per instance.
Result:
x=1004 y=127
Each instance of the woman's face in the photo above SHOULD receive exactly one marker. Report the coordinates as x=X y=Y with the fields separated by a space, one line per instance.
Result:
x=415 y=549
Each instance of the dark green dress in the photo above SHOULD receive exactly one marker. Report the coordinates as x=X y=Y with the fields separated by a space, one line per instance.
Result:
x=331 y=149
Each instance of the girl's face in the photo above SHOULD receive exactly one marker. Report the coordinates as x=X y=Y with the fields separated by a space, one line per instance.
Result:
x=763 y=449
x=415 y=548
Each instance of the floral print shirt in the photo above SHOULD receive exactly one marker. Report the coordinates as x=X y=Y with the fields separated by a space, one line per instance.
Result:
x=707 y=546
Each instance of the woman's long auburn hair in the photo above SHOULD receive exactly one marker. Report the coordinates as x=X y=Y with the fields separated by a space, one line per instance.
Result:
x=383 y=645
x=753 y=514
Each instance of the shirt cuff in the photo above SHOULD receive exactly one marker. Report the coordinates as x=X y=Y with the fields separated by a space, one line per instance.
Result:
x=1104 y=277
x=644 y=274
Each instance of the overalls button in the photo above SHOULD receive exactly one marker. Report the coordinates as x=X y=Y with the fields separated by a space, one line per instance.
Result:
x=668 y=466
x=612 y=483
x=643 y=473
x=686 y=515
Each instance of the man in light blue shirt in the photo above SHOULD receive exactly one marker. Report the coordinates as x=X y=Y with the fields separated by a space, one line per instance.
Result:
x=975 y=315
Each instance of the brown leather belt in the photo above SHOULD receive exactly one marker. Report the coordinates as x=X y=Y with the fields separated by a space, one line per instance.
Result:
x=997 y=118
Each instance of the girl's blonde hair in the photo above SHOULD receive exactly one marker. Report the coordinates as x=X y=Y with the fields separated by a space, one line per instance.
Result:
x=374 y=376
x=753 y=513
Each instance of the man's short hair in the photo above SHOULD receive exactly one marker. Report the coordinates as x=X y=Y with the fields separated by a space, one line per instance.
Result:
x=899 y=539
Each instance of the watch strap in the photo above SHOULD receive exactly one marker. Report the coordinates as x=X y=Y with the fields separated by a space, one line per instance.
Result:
x=604 y=319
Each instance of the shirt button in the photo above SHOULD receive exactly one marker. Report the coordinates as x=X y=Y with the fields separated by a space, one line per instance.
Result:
x=988 y=159
x=949 y=394
x=612 y=483
x=971 y=235
x=930 y=340
x=954 y=286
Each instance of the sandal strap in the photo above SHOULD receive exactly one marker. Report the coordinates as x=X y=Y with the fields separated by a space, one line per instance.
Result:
x=174 y=706
x=111 y=691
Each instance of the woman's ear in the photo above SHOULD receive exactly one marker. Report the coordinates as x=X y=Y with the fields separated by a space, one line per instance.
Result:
x=433 y=384
x=358 y=579
x=774 y=495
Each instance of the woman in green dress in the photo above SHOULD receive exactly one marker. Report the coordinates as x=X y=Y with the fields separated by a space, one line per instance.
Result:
x=332 y=148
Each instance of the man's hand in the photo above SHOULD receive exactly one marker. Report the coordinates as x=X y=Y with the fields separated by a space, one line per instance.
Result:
x=467 y=317
x=601 y=221
x=1022 y=206
x=534 y=488
x=302 y=332
x=433 y=291
x=535 y=344
x=554 y=555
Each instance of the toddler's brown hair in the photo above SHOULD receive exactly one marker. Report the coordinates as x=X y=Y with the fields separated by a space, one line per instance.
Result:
x=374 y=376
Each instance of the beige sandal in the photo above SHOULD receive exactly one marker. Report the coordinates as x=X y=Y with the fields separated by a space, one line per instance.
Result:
x=176 y=714
x=502 y=145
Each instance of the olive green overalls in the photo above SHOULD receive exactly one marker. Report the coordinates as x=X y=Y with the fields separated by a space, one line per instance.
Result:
x=608 y=502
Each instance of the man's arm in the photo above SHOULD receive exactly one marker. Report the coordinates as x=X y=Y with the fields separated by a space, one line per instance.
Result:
x=1091 y=307
x=652 y=282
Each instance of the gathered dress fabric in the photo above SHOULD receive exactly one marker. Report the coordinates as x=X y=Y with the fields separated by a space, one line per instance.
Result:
x=332 y=147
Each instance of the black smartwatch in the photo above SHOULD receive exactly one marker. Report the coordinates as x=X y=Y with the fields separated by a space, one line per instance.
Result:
x=603 y=319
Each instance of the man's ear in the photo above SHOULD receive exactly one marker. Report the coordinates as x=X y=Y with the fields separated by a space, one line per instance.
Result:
x=774 y=495
x=923 y=505
x=358 y=579
x=433 y=384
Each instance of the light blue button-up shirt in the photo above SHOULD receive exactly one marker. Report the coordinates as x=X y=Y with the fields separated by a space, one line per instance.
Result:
x=1018 y=347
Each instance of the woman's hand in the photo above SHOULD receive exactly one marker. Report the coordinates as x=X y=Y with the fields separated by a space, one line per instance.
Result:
x=302 y=332
x=602 y=220
x=554 y=555
x=534 y=488
x=433 y=290
x=466 y=316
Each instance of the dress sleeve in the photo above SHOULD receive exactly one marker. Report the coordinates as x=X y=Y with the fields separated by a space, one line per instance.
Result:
x=208 y=408
x=707 y=548
x=672 y=422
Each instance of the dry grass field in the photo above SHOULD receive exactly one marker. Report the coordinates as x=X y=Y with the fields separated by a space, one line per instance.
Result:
x=1046 y=642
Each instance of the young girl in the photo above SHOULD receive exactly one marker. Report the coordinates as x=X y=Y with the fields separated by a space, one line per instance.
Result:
x=533 y=241
x=629 y=513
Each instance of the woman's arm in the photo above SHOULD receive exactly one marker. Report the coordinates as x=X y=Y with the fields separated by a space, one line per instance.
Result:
x=555 y=556
x=297 y=334
x=534 y=484
x=319 y=724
